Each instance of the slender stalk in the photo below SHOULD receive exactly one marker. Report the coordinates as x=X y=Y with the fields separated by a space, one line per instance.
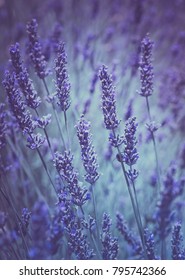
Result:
x=25 y=167
x=163 y=249
x=46 y=169
x=155 y=147
x=12 y=248
x=55 y=114
x=67 y=131
x=95 y=212
x=137 y=204
x=8 y=199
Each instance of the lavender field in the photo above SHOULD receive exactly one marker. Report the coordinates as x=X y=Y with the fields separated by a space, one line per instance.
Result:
x=92 y=129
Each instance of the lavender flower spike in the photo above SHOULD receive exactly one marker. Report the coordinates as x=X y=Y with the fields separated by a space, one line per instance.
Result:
x=17 y=104
x=87 y=151
x=108 y=99
x=128 y=235
x=146 y=68
x=64 y=166
x=16 y=58
x=62 y=82
x=35 y=50
x=25 y=83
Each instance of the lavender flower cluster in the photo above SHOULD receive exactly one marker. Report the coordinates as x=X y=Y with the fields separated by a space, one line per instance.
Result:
x=92 y=152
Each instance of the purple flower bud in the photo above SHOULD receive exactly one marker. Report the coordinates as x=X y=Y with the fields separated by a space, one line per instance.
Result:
x=116 y=141
x=152 y=127
x=34 y=141
x=44 y=121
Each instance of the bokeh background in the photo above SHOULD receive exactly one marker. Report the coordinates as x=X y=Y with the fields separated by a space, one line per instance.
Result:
x=99 y=32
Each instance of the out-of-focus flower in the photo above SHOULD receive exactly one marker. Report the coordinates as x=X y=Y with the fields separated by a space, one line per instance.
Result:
x=39 y=228
x=172 y=189
x=127 y=235
x=62 y=80
x=3 y=219
x=25 y=220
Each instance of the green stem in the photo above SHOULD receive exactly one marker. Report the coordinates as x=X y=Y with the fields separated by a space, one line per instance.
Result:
x=95 y=212
x=155 y=147
x=8 y=199
x=55 y=114
x=66 y=126
x=137 y=204
x=46 y=169
x=25 y=167
x=12 y=248
x=163 y=249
